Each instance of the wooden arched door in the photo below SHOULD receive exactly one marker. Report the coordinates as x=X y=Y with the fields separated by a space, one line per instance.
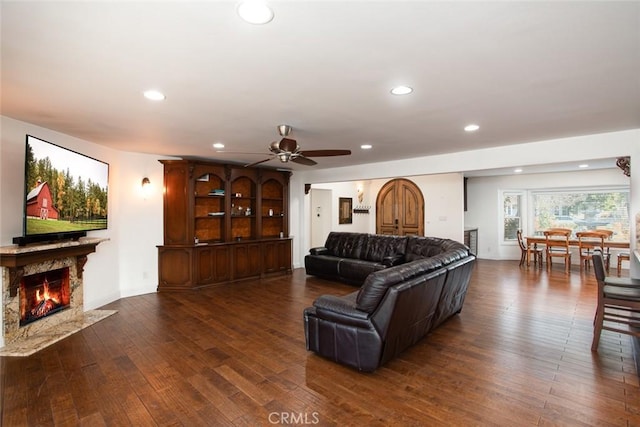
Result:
x=400 y=209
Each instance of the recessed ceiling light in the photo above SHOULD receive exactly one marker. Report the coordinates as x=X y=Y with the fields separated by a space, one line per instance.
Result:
x=584 y=165
x=471 y=128
x=401 y=90
x=255 y=12
x=366 y=146
x=154 y=95
x=218 y=145
x=517 y=170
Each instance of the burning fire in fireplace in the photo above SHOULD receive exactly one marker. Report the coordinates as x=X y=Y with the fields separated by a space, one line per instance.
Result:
x=43 y=294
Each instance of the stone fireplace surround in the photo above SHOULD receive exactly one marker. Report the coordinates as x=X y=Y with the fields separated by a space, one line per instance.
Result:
x=18 y=262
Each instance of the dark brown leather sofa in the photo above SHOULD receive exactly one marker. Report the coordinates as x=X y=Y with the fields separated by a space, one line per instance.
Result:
x=395 y=306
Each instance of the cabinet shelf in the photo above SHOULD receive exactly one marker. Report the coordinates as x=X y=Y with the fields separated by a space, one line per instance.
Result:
x=209 y=196
x=210 y=216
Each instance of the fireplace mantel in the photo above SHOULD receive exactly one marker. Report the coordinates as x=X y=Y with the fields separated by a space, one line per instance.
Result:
x=16 y=257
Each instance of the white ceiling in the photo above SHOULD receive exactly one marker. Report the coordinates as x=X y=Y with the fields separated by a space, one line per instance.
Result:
x=523 y=71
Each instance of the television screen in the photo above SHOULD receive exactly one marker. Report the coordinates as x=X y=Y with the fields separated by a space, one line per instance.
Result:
x=65 y=191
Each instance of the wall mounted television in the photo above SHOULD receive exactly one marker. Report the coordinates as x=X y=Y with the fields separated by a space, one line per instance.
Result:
x=65 y=193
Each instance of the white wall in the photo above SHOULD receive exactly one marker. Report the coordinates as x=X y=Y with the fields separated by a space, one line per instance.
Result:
x=320 y=215
x=484 y=202
x=127 y=263
x=360 y=223
x=139 y=226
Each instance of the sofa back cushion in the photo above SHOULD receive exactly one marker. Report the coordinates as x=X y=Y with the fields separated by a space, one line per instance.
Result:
x=427 y=247
x=378 y=246
x=377 y=283
x=345 y=245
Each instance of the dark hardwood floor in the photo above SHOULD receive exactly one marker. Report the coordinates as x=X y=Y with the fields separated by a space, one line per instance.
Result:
x=518 y=354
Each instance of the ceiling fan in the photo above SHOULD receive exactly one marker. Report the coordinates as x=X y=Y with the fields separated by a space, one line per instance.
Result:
x=287 y=149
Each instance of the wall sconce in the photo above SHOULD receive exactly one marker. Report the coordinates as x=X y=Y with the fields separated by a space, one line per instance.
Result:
x=360 y=192
x=146 y=187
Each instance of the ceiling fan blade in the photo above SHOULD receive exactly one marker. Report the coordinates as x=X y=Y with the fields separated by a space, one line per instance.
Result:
x=288 y=144
x=325 y=153
x=304 y=161
x=238 y=152
x=257 y=163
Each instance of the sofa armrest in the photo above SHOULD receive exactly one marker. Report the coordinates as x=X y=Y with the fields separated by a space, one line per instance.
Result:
x=390 y=261
x=341 y=310
x=319 y=251
x=340 y=305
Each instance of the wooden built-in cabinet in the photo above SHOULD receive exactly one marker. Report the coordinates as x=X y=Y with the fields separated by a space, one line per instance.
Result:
x=222 y=223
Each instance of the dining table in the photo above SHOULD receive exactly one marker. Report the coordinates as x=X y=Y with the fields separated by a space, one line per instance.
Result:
x=532 y=243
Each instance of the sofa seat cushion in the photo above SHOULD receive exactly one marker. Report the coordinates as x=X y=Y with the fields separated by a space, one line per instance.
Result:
x=322 y=265
x=356 y=270
x=377 y=283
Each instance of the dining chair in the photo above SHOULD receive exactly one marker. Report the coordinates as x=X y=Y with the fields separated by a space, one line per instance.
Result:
x=622 y=256
x=536 y=252
x=588 y=241
x=606 y=253
x=618 y=308
x=557 y=243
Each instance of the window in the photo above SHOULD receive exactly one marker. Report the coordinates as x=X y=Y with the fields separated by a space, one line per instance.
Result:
x=512 y=211
x=584 y=209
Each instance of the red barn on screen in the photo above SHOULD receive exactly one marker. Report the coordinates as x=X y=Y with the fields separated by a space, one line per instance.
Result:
x=40 y=203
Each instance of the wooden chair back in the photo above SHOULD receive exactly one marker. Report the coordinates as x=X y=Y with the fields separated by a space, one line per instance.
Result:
x=568 y=230
x=557 y=240
x=523 y=246
x=557 y=243
x=607 y=233
x=588 y=242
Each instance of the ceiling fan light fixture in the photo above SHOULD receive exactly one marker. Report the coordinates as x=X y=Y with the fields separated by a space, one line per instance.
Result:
x=284 y=156
x=255 y=12
x=284 y=130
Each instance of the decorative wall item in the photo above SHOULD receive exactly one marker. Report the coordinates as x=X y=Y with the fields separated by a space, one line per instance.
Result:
x=624 y=163
x=345 y=214
x=361 y=209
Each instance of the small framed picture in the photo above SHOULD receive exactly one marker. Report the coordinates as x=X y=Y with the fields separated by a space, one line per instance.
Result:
x=345 y=212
